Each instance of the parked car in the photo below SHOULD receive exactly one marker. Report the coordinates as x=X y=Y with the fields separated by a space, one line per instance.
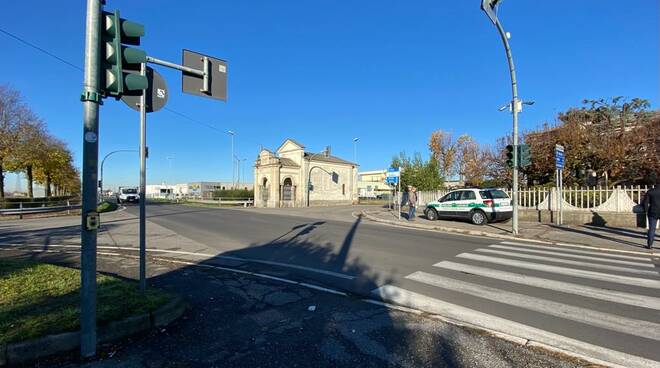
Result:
x=477 y=205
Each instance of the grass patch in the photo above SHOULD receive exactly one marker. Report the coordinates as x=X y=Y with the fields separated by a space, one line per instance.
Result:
x=38 y=299
x=106 y=207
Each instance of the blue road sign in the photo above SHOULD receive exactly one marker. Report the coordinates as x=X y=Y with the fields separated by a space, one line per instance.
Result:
x=392 y=179
x=559 y=157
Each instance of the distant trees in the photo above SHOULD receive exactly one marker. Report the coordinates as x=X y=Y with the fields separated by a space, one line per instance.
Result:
x=26 y=146
x=609 y=141
x=425 y=175
x=614 y=139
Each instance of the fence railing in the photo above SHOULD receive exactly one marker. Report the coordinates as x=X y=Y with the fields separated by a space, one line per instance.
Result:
x=607 y=199
x=30 y=207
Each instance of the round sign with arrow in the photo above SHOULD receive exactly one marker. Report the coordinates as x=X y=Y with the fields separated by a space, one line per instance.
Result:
x=157 y=93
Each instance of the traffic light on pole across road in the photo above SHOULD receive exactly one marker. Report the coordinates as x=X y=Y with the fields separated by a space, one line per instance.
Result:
x=121 y=64
x=509 y=155
x=524 y=155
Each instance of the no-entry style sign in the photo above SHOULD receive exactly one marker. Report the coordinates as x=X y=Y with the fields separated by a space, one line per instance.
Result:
x=157 y=93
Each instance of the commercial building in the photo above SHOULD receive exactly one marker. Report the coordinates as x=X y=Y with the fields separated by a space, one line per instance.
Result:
x=291 y=177
x=372 y=184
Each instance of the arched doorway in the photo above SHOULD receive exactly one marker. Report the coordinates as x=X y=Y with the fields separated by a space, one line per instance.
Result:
x=287 y=190
x=265 y=192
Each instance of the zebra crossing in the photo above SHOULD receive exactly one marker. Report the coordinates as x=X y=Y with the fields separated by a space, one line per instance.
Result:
x=602 y=305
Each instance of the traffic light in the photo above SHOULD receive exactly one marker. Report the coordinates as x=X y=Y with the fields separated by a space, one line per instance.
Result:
x=509 y=155
x=524 y=155
x=121 y=64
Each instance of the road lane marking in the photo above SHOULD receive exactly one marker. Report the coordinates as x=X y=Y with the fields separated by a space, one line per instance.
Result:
x=482 y=320
x=647 y=264
x=216 y=256
x=574 y=272
x=565 y=287
x=568 y=262
x=587 y=316
x=597 y=251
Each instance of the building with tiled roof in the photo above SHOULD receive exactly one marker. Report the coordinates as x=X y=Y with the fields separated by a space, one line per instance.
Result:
x=291 y=177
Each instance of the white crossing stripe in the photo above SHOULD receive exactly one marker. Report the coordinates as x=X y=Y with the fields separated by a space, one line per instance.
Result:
x=591 y=317
x=565 y=287
x=455 y=312
x=576 y=256
x=626 y=280
x=599 y=253
x=573 y=263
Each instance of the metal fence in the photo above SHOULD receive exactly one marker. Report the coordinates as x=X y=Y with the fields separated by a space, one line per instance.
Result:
x=30 y=207
x=610 y=199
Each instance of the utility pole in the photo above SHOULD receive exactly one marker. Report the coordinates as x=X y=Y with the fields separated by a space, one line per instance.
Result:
x=91 y=98
x=490 y=8
x=233 y=170
x=355 y=140
x=143 y=183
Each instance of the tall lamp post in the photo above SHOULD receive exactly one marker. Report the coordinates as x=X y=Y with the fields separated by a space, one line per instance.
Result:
x=232 y=133
x=103 y=162
x=490 y=8
x=326 y=152
x=355 y=140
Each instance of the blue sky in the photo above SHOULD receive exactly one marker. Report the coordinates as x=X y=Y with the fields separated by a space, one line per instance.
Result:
x=324 y=72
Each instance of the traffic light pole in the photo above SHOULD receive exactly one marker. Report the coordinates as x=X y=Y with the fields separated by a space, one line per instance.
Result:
x=143 y=182
x=91 y=99
x=514 y=109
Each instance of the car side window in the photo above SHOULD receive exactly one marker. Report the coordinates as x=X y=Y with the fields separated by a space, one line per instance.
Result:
x=453 y=196
x=467 y=195
x=444 y=198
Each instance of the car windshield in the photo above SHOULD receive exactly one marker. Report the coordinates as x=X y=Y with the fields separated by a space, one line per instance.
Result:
x=129 y=191
x=493 y=194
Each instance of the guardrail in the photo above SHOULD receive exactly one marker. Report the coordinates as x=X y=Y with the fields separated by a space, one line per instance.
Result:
x=25 y=208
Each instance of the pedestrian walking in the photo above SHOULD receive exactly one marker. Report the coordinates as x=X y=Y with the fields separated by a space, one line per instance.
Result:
x=412 y=203
x=652 y=209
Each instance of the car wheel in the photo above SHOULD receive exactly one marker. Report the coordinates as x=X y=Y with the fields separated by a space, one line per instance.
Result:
x=478 y=217
x=431 y=214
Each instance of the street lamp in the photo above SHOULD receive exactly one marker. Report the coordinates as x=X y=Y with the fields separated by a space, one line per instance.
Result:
x=169 y=171
x=490 y=8
x=325 y=152
x=232 y=133
x=103 y=162
x=355 y=140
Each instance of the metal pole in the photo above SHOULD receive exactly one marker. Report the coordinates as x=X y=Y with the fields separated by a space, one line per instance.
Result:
x=103 y=163
x=233 y=169
x=143 y=182
x=561 y=197
x=91 y=98
x=514 y=109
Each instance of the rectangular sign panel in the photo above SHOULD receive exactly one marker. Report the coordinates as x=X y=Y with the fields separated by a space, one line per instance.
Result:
x=393 y=172
x=217 y=79
x=392 y=180
x=559 y=157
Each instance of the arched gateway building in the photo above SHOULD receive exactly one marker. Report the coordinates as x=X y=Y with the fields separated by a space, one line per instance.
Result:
x=291 y=177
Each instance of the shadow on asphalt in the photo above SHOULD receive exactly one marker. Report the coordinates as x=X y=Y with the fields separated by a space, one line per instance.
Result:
x=596 y=235
x=223 y=329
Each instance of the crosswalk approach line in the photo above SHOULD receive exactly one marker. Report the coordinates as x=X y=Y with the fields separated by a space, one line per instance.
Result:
x=647 y=264
x=573 y=272
x=582 y=250
x=561 y=286
x=590 y=317
x=569 y=262
x=606 y=356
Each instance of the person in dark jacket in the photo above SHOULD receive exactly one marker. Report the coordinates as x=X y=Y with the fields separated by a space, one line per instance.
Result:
x=652 y=208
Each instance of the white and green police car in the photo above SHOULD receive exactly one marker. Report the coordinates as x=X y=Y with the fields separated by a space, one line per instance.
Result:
x=477 y=205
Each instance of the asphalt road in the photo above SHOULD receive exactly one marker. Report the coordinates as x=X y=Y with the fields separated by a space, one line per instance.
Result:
x=601 y=304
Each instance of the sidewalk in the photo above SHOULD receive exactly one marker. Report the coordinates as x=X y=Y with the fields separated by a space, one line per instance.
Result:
x=624 y=239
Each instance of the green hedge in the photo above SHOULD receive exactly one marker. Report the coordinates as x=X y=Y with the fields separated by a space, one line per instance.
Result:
x=233 y=193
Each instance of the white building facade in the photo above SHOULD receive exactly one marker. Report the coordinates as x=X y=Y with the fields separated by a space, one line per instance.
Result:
x=291 y=177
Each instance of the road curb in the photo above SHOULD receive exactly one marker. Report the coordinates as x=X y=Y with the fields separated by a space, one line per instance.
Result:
x=30 y=350
x=496 y=236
